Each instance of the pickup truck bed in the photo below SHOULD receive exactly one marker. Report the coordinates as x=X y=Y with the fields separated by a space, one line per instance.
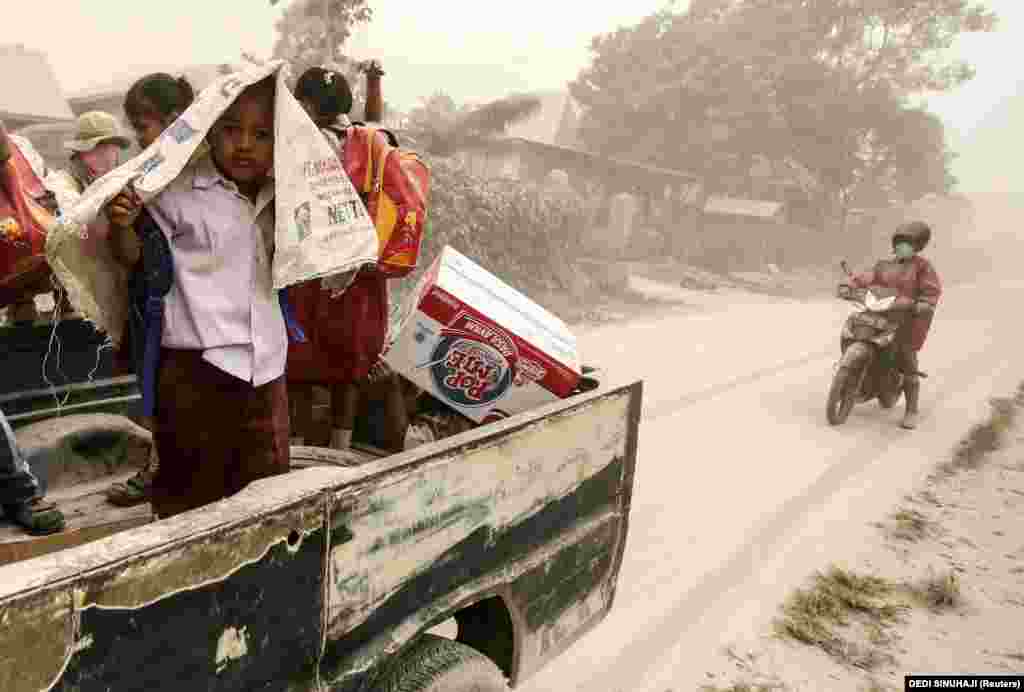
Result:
x=324 y=577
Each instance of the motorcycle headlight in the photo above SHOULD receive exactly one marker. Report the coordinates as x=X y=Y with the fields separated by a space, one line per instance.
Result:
x=862 y=332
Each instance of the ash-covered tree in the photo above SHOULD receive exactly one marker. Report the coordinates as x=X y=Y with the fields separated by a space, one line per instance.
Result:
x=312 y=33
x=918 y=160
x=434 y=114
x=844 y=80
x=815 y=85
x=441 y=127
x=680 y=90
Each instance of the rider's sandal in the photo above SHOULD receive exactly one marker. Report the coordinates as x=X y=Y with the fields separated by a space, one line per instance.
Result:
x=38 y=516
x=909 y=421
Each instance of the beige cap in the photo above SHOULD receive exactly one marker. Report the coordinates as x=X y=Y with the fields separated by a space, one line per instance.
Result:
x=94 y=128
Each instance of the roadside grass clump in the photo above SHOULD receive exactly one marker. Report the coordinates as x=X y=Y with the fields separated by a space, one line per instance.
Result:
x=876 y=686
x=824 y=614
x=984 y=438
x=939 y=592
x=910 y=525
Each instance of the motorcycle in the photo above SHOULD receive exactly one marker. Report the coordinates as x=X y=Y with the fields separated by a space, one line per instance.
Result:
x=867 y=368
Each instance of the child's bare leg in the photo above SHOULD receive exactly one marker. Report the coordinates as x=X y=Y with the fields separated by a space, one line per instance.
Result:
x=344 y=402
x=300 y=404
x=396 y=414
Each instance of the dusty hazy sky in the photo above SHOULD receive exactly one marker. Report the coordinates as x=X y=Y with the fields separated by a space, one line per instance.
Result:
x=474 y=50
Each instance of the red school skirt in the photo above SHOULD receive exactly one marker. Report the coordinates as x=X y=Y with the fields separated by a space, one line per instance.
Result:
x=344 y=335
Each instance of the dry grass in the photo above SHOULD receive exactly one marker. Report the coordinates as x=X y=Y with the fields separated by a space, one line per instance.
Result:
x=826 y=615
x=987 y=437
x=875 y=686
x=939 y=591
x=910 y=525
x=823 y=615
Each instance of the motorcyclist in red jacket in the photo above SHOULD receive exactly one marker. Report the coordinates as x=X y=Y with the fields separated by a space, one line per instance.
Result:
x=918 y=289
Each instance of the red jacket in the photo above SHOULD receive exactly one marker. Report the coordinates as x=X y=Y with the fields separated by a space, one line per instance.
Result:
x=915 y=280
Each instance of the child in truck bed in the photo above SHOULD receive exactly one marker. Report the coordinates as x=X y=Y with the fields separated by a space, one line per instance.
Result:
x=222 y=405
x=152 y=104
x=347 y=333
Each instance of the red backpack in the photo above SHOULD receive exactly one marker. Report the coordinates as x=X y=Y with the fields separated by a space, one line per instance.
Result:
x=23 y=228
x=394 y=184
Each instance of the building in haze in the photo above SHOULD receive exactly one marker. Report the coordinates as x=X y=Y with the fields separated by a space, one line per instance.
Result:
x=49 y=136
x=109 y=96
x=622 y=196
x=31 y=93
x=520 y=154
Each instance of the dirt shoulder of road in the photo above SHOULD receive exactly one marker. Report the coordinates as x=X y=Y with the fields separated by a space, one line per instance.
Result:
x=939 y=591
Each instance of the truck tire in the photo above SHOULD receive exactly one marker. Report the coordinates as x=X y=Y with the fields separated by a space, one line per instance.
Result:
x=437 y=664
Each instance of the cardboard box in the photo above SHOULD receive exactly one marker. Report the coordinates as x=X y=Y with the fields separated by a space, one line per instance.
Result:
x=479 y=345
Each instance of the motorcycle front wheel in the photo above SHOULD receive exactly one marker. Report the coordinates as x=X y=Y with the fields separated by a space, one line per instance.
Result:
x=841 y=396
x=848 y=382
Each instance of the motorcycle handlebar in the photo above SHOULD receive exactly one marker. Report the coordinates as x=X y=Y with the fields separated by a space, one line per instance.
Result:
x=858 y=295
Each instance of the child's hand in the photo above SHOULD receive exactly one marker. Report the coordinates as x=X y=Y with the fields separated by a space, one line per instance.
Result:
x=379 y=370
x=124 y=209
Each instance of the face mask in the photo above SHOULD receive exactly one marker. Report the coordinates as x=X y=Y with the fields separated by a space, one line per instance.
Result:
x=904 y=250
x=102 y=159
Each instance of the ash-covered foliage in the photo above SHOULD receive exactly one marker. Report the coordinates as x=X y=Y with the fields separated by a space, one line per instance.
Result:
x=520 y=232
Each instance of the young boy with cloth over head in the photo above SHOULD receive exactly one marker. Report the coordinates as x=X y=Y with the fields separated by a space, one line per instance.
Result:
x=221 y=401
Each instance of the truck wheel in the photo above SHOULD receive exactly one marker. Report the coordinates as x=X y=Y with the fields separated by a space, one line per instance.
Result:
x=436 y=664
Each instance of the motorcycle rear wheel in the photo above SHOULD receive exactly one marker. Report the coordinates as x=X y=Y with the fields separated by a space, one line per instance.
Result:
x=841 y=395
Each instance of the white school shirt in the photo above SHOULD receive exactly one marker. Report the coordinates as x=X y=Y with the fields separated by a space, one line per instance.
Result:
x=222 y=300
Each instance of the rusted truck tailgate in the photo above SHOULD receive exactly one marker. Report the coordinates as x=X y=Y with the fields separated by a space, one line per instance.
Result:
x=315 y=577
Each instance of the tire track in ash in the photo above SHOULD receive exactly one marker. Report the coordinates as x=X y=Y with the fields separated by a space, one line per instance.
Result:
x=666 y=408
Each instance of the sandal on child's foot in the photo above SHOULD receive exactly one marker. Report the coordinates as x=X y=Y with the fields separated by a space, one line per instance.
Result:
x=38 y=516
x=135 y=491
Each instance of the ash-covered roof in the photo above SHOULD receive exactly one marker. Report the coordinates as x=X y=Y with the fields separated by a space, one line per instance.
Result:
x=733 y=206
x=554 y=123
x=199 y=76
x=31 y=91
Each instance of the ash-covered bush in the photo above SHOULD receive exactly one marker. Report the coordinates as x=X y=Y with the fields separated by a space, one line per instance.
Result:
x=520 y=232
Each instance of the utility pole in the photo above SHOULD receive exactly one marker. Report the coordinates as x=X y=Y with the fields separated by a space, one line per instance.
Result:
x=328 y=47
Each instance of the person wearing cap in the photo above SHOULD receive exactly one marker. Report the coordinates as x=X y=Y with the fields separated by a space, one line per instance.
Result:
x=95 y=151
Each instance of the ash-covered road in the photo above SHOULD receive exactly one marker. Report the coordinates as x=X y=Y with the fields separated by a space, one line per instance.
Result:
x=742 y=488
